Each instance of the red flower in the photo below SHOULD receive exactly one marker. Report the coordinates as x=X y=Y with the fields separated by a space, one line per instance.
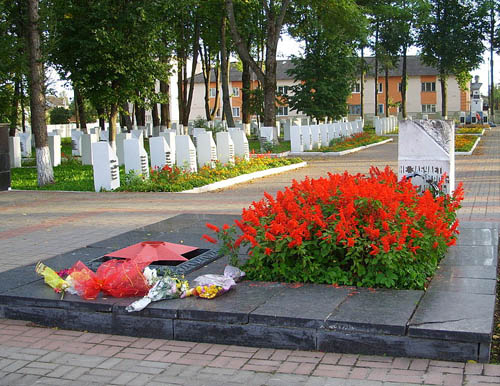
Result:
x=375 y=249
x=209 y=239
x=268 y=251
x=212 y=227
x=225 y=227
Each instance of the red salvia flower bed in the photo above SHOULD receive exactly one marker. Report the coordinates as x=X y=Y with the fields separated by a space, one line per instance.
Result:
x=372 y=231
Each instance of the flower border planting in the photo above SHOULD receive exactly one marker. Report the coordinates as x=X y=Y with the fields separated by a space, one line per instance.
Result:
x=467 y=137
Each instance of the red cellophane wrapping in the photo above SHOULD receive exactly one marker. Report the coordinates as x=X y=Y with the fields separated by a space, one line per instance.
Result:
x=117 y=278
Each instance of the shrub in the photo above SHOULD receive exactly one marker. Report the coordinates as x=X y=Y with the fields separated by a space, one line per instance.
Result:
x=370 y=231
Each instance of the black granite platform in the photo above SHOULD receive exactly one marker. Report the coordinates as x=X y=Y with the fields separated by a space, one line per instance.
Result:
x=452 y=320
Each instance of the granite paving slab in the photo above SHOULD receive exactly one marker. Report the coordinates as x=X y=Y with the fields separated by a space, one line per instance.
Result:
x=478 y=236
x=466 y=271
x=287 y=308
x=376 y=311
x=464 y=285
x=482 y=255
x=454 y=316
x=187 y=220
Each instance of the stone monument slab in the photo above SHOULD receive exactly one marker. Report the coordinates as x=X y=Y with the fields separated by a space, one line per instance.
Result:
x=87 y=140
x=15 y=152
x=106 y=167
x=55 y=149
x=206 y=149
x=225 y=147
x=185 y=153
x=160 y=153
x=136 y=158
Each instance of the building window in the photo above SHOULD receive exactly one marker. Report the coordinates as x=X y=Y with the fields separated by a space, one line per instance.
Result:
x=212 y=92
x=356 y=89
x=236 y=91
x=380 y=108
x=428 y=86
x=428 y=108
x=282 y=111
x=236 y=111
x=355 y=109
x=282 y=90
x=380 y=88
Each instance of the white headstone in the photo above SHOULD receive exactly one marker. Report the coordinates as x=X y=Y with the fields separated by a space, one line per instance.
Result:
x=206 y=149
x=25 y=139
x=136 y=158
x=325 y=136
x=55 y=149
x=286 y=129
x=316 y=136
x=138 y=134
x=306 y=137
x=266 y=132
x=160 y=153
x=225 y=147
x=198 y=130
x=105 y=165
x=156 y=131
x=427 y=151
x=87 y=140
x=120 y=154
x=169 y=136
x=15 y=152
x=104 y=135
x=296 y=142
x=76 y=142
x=240 y=141
x=185 y=153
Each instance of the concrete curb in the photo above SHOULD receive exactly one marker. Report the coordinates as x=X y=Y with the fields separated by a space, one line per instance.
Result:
x=244 y=178
x=471 y=151
x=336 y=153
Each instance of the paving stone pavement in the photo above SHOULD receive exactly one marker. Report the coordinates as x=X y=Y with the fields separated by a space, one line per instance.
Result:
x=38 y=225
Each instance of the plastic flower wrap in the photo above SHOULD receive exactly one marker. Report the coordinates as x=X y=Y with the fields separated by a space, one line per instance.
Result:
x=210 y=286
x=51 y=278
x=167 y=287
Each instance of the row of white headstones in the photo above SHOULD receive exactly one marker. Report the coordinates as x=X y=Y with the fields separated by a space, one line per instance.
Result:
x=168 y=149
x=304 y=138
x=21 y=146
x=385 y=125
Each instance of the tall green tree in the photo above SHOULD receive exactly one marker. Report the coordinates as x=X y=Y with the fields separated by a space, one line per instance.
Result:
x=109 y=49
x=451 y=40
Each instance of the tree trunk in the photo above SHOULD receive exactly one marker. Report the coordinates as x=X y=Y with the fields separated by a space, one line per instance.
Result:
x=113 y=114
x=181 y=62
x=154 y=113
x=386 y=90
x=404 y=84
x=245 y=92
x=23 y=115
x=444 y=96
x=362 y=85
x=14 y=110
x=206 y=71
x=102 y=121
x=196 y=44
x=126 y=117
x=45 y=171
x=226 y=96
x=81 y=111
x=77 y=115
x=165 y=107
x=216 y=107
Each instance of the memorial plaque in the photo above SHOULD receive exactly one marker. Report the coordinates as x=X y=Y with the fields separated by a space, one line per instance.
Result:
x=87 y=140
x=240 y=141
x=225 y=147
x=105 y=165
x=15 y=152
x=55 y=149
x=206 y=149
x=426 y=152
x=296 y=142
x=185 y=153
x=25 y=139
x=136 y=158
x=76 y=142
x=160 y=153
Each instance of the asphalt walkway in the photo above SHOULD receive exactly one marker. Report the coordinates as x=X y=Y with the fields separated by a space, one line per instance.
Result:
x=38 y=225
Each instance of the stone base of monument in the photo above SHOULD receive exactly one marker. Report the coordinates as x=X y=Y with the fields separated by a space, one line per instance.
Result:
x=452 y=320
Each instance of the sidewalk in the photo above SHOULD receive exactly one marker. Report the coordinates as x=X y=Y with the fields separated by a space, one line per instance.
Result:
x=38 y=225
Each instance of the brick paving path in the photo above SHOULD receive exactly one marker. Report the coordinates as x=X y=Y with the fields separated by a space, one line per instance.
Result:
x=37 y=225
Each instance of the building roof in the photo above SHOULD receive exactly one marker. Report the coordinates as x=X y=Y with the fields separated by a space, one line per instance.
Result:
x=414 y=67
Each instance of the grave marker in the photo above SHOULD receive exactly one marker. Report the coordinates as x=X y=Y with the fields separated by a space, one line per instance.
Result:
x=169 y=136
x=138 y=134
x=87 y=140
x=206 y=149
x=160 y=152
x=104 y=135
x=120 y=137
x=185 y=153
x=25 y=139
x=136 y=158
x=76 y=142
x=55 y=149
x=296 y=141
x=306 y=137
x=325 y=136
x=427 y=151
x=15 y=152
x=225 y=147
x=105 y=165
x=316 y=136
x=240 y=141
